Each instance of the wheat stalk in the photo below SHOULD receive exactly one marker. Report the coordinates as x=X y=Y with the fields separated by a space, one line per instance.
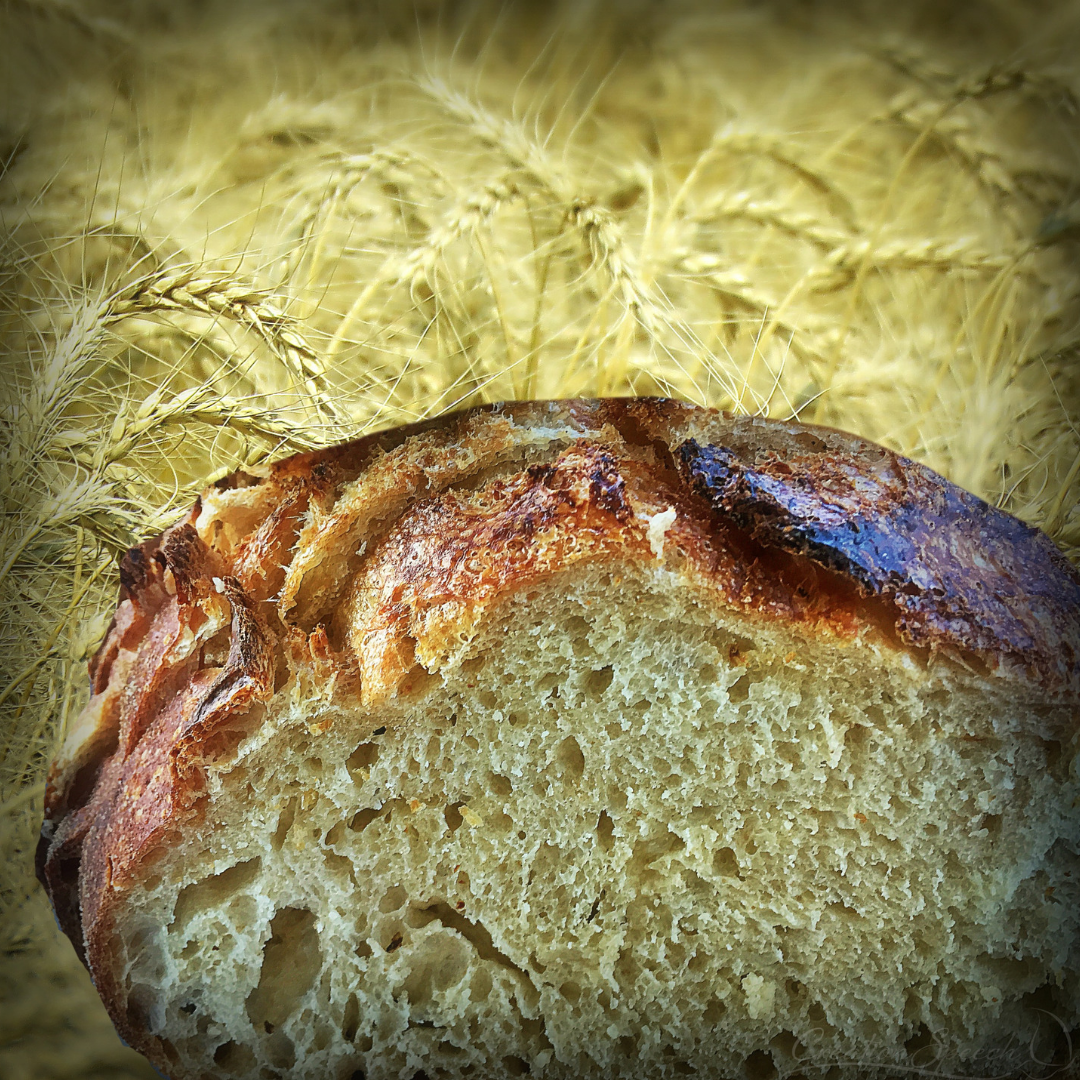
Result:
x=846 y=260
x=746 y=206
x=419 y=263
x=1000 y=78
x=345 y=173
x=217 y=296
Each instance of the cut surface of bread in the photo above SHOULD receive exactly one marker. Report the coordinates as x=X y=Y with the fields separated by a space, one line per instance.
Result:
x=583 y=739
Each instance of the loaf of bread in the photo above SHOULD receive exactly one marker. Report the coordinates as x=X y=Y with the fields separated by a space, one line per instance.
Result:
x=583 y=739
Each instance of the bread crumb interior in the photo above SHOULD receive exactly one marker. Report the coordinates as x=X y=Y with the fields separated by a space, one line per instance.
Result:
x=626 y=835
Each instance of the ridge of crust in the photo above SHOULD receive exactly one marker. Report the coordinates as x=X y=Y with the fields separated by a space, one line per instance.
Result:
x=412 y=535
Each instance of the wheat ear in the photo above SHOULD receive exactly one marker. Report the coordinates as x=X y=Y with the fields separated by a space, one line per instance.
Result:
x=219 y=296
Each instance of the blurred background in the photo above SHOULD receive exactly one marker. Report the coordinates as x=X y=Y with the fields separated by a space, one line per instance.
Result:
x=231 y=230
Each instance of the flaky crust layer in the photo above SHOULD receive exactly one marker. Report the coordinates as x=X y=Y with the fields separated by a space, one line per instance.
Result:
x=368 y=565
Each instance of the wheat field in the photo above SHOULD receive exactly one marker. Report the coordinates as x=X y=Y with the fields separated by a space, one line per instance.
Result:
x=234 y=230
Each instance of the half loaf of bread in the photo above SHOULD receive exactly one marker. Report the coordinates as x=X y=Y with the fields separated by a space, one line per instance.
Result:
x=583 y=739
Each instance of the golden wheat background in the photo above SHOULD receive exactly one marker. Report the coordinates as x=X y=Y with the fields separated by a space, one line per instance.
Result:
x=231 y=230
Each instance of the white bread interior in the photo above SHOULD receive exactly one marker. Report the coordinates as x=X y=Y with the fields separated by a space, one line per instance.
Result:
x=626 y=833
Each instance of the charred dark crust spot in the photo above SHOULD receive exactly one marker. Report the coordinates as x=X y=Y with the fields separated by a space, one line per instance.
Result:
x=185 y=555
x=57 y=863
x=959 y=572
x=607 y=488
x=136 y=568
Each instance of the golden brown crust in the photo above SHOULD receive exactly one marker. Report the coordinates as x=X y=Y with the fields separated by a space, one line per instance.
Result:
x=368 y=563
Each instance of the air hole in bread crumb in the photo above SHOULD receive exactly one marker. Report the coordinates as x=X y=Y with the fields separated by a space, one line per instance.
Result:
x=515 y=1066
x=577 y=628
x=452 y=814
x=920 y=1047
x=748 y=843
x=480 y=984
x=215 y=651
x=570 y=757
x=212 y=892
x=1051 y=1042
x=549 y=684
x=791 y=753
x=291 y=960
x=280 y=1050
x=786 y=1043
x=843 y=910
x=605 y=831
x=726 y=864
x=437 y=962
x=816 y=1015
x=648 y=851
x=394 y=898
x=759 y=1066
x=223 y=1053
x=142 y=1006
x=350 y=1020
x=363 y=818
x=739 y=690
x=737 y=649
x=499 y=784
x=597 y=682
x=234 y=1059
x=361 y=759
x=876 y=715
x=285 y=822
x=340 y=867
x=856 y=737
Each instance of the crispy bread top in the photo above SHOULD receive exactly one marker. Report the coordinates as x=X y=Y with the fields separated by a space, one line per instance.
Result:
x=369 y=566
